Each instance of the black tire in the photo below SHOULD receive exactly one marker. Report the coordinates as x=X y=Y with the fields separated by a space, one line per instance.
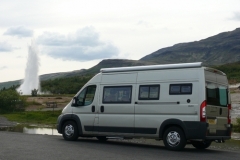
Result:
x=70 y=131
x=102 y=138
x=201 y=144
x=174 y=139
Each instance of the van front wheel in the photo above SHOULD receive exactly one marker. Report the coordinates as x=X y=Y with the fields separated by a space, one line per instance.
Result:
x=201 y=144
x=174 y=139
x=70 y=131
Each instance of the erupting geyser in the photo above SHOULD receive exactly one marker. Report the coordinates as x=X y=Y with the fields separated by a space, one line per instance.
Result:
x=31 y=80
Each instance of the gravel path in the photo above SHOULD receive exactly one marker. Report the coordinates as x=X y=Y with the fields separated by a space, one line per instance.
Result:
x=235 y=112
x=5 y=123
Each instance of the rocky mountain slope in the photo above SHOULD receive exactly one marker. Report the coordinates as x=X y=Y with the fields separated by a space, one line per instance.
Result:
x=216 y=50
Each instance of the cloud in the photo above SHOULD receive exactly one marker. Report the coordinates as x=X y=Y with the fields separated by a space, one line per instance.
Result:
x=3 y=67
x=236 y=16
x=83 y=45
x=143 y=23
x=5 y=47
x=19 y=31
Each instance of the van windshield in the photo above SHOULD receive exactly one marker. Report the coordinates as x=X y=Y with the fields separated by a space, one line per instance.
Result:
x=216 y=94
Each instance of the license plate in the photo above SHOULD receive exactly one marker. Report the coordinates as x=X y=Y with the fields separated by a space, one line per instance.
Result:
x=212 y=121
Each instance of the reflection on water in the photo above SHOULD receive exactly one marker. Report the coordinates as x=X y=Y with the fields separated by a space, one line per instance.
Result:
x=31 y=129
x=48 y=131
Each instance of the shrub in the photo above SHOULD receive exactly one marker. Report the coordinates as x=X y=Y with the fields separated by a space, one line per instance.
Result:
x=10 y=101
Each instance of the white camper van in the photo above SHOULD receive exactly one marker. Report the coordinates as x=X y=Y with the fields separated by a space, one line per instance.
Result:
x=176 y=103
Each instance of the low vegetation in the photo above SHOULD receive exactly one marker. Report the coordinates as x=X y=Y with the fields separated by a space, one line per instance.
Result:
x=69 y=85
x=232 y=71
x=11 y=101
x=236 y=126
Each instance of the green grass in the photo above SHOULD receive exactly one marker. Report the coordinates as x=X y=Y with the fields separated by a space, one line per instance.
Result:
x=236 y=126
x=34 y=117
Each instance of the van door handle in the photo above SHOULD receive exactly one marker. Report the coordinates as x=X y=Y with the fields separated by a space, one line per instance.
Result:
x=93 y=108
x=102 y=108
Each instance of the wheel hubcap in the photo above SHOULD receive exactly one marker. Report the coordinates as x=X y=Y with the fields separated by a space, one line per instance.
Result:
x=173 y=138
x=69 y=130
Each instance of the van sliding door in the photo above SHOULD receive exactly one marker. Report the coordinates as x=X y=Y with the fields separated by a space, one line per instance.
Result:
x=116 y=110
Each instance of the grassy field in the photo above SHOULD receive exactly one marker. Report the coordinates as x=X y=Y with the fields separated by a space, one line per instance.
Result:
x=34 y=117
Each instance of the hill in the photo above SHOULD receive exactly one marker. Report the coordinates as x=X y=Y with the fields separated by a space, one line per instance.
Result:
x=108 y=63
x=42 y=78
x=59 y=83
x=71 y=85
x=9 y=84
x=73 y=82
x=216 y=50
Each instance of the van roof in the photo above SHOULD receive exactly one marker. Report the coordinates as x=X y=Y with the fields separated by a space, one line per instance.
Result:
x=214 y=70
x=153 y=67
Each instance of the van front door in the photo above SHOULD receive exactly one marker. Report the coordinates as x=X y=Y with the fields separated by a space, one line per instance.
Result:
x=116 y=110
x=85 y=108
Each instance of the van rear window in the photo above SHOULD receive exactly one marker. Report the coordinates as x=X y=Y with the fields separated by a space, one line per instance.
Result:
x=149 y=92
x=216 y=94
x=178 y=89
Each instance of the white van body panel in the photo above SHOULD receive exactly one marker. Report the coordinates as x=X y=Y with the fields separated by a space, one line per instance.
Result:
x=120 y=78
x=153 y=113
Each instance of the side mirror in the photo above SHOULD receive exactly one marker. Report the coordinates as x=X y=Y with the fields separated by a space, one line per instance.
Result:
x=75 y=101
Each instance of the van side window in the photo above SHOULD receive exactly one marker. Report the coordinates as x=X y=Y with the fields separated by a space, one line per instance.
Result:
x=117 y=94
x=86 y=96
x=149 y=92
x=178 y=89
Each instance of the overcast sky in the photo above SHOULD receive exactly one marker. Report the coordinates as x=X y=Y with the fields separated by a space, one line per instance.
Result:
x=77 y=34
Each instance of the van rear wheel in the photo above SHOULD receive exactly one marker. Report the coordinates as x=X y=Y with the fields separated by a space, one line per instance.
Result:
x=70 y=131
x=174 y=139
x=201 y=144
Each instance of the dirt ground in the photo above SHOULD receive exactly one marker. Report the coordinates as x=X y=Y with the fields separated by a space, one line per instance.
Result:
x=47 y=103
